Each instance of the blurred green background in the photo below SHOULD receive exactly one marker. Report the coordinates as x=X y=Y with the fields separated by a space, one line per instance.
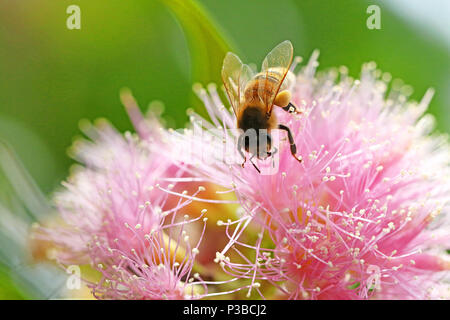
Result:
x=51 y=77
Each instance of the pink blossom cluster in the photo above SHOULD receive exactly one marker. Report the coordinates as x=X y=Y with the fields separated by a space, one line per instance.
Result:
x=118 y=221
x=365 y=215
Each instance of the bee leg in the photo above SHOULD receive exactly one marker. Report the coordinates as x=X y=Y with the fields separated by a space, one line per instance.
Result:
x=257 y=169
x=272 y=154
x=239 y=147
x=291 y=141
x=273 y=158
x=240 y=144
x=291 y=108
x=243 y=163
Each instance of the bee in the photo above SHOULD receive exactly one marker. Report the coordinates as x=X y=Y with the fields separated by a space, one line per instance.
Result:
x=252 y=97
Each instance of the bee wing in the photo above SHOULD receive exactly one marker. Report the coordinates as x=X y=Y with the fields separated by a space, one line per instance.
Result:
x=235 y=76
x=273 y=72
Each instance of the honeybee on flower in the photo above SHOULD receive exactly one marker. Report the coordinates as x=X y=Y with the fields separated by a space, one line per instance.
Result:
x=365 y=214
x=253 y=96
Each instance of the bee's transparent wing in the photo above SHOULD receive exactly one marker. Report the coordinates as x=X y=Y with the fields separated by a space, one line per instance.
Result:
x=273 y=72
x=235 y=76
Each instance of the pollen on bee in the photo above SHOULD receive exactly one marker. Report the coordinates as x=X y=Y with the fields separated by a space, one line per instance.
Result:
x=283 y=98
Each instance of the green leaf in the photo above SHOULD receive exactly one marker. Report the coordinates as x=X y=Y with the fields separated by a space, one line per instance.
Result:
x=8 y=290
x=22 y=203
x=19 y=192
x=207 y=42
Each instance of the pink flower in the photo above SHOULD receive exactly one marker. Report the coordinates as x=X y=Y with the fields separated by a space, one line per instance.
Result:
x=117 y=219
x=365 y=214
